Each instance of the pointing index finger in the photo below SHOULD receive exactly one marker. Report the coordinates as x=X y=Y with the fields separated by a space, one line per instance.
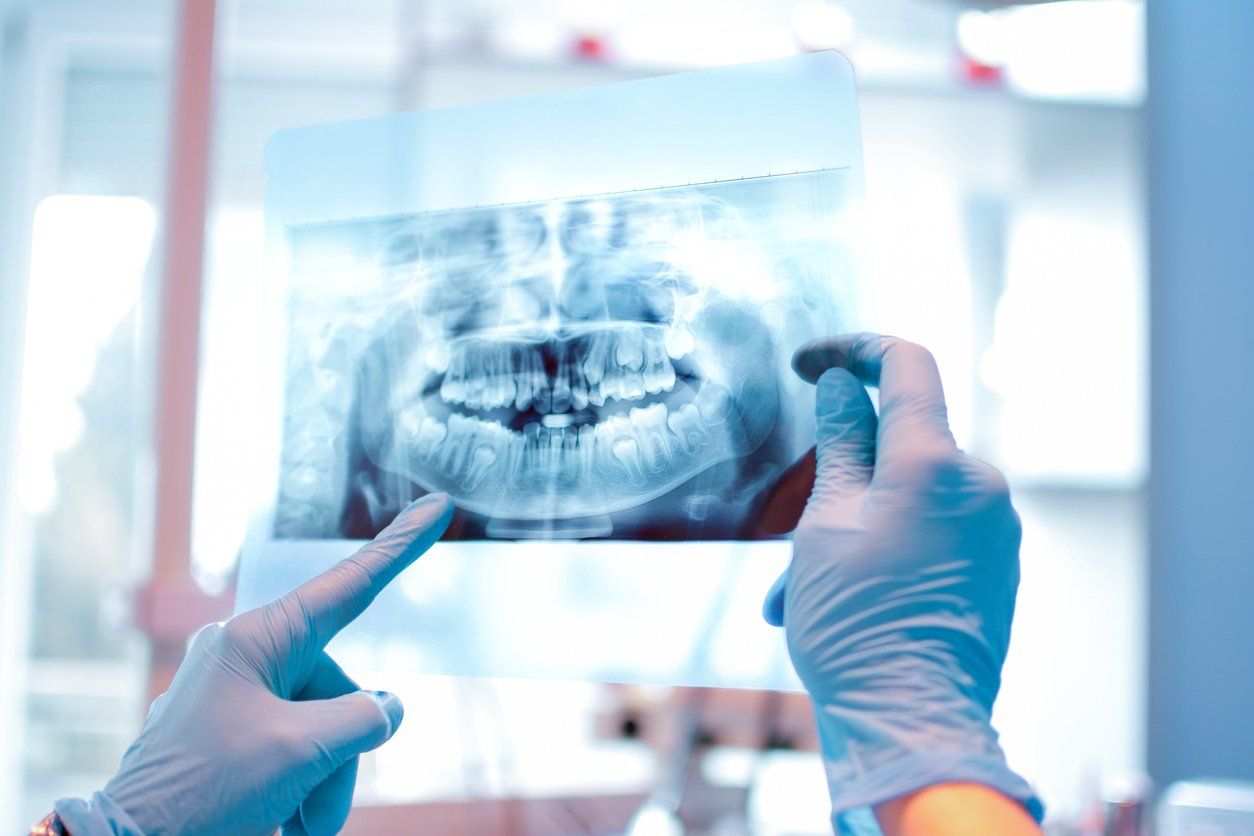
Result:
x=912 y=400
x=337 y=596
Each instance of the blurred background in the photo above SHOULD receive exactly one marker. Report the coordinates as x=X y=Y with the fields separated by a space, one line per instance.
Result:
x=1006 y=177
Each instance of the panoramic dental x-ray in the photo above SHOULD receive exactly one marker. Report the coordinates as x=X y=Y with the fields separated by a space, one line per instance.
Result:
x=589 y=367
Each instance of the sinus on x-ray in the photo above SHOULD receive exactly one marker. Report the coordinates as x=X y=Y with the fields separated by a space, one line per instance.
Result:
x=607 y=366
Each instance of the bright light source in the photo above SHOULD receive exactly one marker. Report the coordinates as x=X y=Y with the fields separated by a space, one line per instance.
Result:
x=823 y=25
x=87 y=264
x=692 y=40
x=604 y=16
x=983 y=37
x=1072 y=408
x=530 y=37
x=1081 y=49
x=231 y=452
x=1091 y=50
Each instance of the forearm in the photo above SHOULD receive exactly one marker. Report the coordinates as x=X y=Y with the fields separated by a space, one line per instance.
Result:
x=961 y=809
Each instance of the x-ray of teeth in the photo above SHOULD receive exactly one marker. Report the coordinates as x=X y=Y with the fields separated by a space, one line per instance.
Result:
x=594 y=367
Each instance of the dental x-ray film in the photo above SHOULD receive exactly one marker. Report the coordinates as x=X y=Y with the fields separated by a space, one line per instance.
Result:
x=574 y=314
x=602 y=366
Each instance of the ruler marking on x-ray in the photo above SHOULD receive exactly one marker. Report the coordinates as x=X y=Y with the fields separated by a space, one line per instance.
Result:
x=581 y=196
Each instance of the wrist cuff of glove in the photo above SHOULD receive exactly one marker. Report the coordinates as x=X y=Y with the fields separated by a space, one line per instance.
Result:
x=97 y=816
x=852 y=799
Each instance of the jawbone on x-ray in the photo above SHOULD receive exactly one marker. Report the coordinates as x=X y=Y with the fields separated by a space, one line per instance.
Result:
x=612 y=366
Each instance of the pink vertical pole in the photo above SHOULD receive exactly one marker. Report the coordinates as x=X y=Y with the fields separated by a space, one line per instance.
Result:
x=170 y=606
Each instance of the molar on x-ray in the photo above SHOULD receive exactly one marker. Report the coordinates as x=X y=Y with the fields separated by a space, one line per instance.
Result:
x=590 y=367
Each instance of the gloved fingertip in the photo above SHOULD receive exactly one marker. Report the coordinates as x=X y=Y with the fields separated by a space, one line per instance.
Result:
x=773 y=604
x=844 y=351
x=843 y=408
x=425 y=520
x=836 y=388
x=436 y=498
x=432 y=506
x=392 y=708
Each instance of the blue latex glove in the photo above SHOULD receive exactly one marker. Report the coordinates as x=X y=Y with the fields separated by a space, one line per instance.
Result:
x=898 y=601
x=260 y=728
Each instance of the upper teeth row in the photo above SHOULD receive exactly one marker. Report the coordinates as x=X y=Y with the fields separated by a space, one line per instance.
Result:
x=623 y=365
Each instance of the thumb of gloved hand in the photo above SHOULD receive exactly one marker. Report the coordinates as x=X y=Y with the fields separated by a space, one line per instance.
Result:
x=845 y=451
x=345 y=727
x=845 y=460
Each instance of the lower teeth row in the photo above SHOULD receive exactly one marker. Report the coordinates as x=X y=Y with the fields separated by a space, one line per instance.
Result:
x=634 y=447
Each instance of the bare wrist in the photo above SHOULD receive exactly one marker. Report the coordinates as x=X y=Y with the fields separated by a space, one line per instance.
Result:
x=49 y=825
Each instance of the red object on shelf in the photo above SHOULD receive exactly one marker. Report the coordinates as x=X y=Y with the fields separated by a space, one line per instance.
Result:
x=591 y=48
x=975 y=73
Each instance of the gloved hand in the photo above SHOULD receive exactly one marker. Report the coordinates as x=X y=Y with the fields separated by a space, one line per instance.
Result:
x=898 y=601
x=260 y=727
